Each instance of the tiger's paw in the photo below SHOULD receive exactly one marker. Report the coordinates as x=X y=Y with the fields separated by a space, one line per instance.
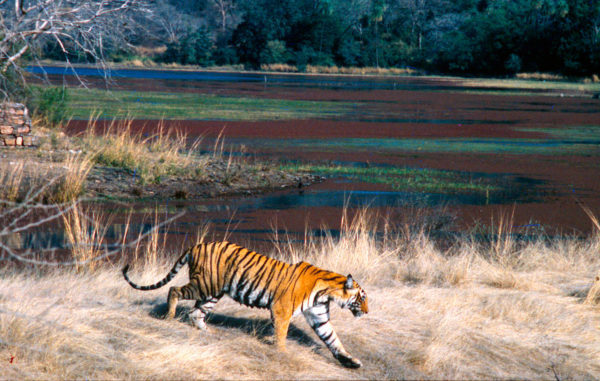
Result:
x=348 y=361
x=201 y=326
x=197 y=318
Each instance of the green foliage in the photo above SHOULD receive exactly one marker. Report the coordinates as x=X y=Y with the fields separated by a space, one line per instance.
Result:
x=195 y=48
x=499 y=37
x=274 y=52
x=513 y=64
x=348 y=52
x=49 y=104
x=225 y=55
x=403 y=178
x=12 y=86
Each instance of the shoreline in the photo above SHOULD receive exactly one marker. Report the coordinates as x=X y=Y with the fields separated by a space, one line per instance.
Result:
x=476 y=82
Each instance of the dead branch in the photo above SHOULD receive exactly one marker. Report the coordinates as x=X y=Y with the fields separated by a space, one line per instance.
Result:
x=75 y=25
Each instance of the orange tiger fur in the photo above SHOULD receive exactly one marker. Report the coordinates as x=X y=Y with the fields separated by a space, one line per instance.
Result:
x=253 y=279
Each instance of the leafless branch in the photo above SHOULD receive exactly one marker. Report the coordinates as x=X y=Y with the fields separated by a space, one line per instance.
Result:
x=24 y=256
x=74 y=25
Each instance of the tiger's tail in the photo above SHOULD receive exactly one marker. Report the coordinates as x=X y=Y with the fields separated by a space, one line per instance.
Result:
x=176 y=267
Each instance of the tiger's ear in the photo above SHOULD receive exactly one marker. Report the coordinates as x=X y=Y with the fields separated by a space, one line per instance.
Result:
x=349 y=285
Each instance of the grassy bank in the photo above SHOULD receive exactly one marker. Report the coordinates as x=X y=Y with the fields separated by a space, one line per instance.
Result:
x=112 y=160
x=496 y=309
x=559 y=143
x=402 y=178
x=183 y=106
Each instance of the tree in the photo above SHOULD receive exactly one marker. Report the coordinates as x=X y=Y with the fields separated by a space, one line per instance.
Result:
x=224 y=8
x=195 y=48
x=82 y=25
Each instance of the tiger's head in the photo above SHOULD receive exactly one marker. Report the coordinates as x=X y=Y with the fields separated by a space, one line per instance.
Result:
x=353 y=297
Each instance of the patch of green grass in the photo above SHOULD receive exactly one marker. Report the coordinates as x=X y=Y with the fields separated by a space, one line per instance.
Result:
x=582 y=133
x=403 y=178
x=181 y=106
x=575 y=146
x=519 y=87
x=530 y=84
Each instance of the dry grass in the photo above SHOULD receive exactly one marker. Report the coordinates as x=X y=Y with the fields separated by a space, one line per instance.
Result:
x=541 y=76
x=85 y=232
x=285 y=68
x=20 y=175
x=497 y=309
x=150 y=157
x=360 y=70
x=279 y=67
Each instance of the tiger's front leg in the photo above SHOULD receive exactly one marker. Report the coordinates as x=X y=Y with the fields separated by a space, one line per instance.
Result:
x=280 y=316
x=201 y=309
x=318 y=319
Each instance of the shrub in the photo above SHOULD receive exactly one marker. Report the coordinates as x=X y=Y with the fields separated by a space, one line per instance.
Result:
x=49 y=104
x=274 y=52
x=513 y=64
x=195 y=48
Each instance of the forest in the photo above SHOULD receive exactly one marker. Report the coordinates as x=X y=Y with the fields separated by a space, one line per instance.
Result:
x=465 y=37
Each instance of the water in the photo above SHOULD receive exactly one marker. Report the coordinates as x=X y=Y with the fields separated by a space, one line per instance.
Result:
x=307 y=81
x=398 y=122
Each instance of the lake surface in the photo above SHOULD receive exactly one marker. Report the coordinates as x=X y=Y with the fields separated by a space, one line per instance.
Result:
x=514 y=143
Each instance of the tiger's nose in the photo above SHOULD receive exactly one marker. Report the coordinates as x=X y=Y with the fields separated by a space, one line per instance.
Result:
x=365 y=308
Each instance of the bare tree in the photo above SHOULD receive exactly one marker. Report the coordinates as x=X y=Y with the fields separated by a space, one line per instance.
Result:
x=224 y=8
x=81 y=25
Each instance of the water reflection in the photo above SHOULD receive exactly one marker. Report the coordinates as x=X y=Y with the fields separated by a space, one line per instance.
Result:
x=234 y=215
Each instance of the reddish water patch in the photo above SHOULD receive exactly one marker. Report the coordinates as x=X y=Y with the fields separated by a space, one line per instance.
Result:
x=321 y=128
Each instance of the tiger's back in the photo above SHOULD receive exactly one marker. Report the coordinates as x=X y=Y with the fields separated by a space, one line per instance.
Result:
x=256 y=280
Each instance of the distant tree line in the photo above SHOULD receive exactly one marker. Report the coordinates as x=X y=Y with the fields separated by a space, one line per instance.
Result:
x=489 y=37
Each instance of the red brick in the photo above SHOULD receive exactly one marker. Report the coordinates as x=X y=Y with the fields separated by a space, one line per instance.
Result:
x=10 y=140
x=23 y=129
x=19 y=141
x=5 y=130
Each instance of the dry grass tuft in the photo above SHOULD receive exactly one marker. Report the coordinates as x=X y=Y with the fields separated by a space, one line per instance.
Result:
x=85 y=231
x=279 y=67
x=12 y=178
x=149 y=157
x=360 y=70
x=315 y=69
x=540 y=76
x=21 y=176
x=593 y=295
x=72 y=184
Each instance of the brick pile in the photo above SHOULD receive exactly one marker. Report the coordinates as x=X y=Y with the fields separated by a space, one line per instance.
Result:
x=15 y=125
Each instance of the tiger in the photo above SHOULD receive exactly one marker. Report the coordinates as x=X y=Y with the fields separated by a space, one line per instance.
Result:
x=256 y=280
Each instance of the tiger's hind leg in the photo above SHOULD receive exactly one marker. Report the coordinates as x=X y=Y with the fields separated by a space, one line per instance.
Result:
x=318 y=319
x=201 y=310
x=187 y=292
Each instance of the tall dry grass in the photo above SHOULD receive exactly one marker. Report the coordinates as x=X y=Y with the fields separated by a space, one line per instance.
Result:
x=150 y=157
x=85 y=232
x=499 y=308
x=62 y=180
